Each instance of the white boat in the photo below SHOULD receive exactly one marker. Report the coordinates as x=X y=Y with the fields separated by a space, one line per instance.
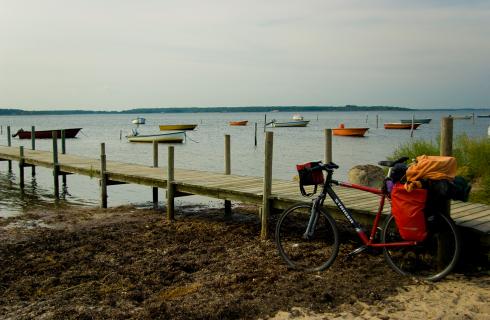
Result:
x=139 y=120
x=293 y=123
x=176 y=136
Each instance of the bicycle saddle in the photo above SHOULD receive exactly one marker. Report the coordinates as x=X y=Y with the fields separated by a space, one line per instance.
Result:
x=389 y=163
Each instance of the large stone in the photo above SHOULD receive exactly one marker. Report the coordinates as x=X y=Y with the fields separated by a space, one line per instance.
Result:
x=367 y=175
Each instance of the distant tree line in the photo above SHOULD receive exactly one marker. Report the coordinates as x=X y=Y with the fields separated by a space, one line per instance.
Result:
x=19 y=112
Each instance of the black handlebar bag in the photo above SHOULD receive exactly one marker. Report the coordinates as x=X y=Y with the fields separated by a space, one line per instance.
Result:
x=309 y=177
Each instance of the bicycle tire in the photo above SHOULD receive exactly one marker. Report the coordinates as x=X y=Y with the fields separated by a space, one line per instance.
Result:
x=315 y=254
x=431 y=259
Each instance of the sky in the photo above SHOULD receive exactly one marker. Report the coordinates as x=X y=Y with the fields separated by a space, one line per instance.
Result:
x=122 y=54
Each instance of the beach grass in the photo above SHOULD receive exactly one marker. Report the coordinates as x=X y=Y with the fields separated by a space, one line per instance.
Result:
x=472 y=156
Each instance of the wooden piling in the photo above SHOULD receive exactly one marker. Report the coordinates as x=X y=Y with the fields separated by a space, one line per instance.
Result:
x=446 y=148
x=63 y=151
x=21 y=167
x=155 y=165
x=377 y=121
x=103 y=177
x=266 y=206
x=328 y=145
x=33 y=147
x=411 y=127
x=255 y=140
x=56 y=166
x=170 y=186
x=9 y=143
x=227 y=171
x=265 y=121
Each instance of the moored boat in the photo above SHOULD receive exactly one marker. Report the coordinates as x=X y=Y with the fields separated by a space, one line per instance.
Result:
x=177 y=136
x=483 y=116
x=351 y=132
x=423 y=120
x=461 y=117
x=238 y=123
x=294 y=123
x=46 y=134
x=398 y=125
x=139 y=120
x=165 y=127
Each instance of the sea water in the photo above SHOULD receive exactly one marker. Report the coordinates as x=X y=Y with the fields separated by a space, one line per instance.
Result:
x=204 y=148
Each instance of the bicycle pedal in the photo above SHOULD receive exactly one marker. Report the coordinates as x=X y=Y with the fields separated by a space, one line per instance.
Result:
x=355 y=252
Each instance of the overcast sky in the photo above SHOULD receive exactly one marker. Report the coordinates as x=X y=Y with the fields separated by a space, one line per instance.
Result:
x=121 y=54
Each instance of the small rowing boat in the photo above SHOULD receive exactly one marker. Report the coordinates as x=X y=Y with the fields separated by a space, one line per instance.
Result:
x=399 y=125
x=351 y=132
x=177 y=137
x=461 y=117
x=483 y=116
x=165 y=127
x=294 y=123
x=238 y=123
x=46 y=134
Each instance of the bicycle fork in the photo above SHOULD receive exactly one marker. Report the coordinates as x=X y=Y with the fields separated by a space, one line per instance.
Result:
x=310 y=228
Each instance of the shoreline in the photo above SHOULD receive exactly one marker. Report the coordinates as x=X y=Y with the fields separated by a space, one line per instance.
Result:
x=129 y=262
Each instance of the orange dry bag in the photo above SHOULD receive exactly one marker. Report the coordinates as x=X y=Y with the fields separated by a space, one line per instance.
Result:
x=408 y=211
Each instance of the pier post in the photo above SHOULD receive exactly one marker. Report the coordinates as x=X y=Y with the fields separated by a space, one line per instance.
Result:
x=227 y=172
x=328 y=145
x=155 y=165
x=21 y=167
x=170 y=186
x=255 y=141
x=56 y=166
x=377 y=121
x=446 y=148
x=63 y=151
x=33 y=147
x=268 y=147
x=103 y=177
x=9 y=143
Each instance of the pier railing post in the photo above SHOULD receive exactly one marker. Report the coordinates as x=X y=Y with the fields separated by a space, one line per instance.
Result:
x=9 y=143
x=33 y=147
x=21 y=167
x=103 y=177
x=155 y=165
x=328 y=145
x=227 y=172
x=56 y=167
x=446 y=148
x=170 y=186
x=266 y=209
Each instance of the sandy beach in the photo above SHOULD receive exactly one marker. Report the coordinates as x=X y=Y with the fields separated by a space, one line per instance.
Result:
x=124 y=262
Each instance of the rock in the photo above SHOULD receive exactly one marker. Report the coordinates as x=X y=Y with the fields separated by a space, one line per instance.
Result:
x=367 y=175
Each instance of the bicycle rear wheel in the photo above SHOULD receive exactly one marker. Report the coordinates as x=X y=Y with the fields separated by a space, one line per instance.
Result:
x=431 y=259
x=314 y=253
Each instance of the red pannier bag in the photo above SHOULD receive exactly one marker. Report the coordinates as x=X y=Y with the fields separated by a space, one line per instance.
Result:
x=408 y=210
x=308 y=177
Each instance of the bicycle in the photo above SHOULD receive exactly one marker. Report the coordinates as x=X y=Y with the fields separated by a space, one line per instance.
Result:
x=308 y=239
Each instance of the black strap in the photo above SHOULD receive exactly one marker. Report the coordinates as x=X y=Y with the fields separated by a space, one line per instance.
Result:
x=304 y=193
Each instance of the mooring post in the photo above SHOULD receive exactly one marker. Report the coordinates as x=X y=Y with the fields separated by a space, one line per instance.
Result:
x=56 y=166
x=227 y=172
x=266 y=209
x=33 y=147
x=265 y=120
x=446 y=148
x=377 y=121
x=170 y=186
x=21 y=167
x=9 y=143
x=255 y=140
x=103 y=177
x=155 y=165
x=412 y=126
x=328 y=145
x=63 y=151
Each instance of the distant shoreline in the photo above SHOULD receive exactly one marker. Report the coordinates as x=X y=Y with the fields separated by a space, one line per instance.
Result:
x=347 y=108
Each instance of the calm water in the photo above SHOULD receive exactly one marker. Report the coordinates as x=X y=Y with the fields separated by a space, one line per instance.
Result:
x=205 y=146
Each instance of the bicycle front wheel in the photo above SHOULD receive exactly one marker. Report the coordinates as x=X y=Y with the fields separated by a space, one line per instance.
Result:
x=315 y=252
x=431 y=259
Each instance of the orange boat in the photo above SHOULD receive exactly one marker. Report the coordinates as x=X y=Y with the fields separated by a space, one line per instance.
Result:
x=239 y=123
x=352 y=132
x=398 y=125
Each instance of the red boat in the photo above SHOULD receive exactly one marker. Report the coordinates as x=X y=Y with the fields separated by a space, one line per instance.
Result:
x=352 y=132
x=46 y=134
x=239 y=123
